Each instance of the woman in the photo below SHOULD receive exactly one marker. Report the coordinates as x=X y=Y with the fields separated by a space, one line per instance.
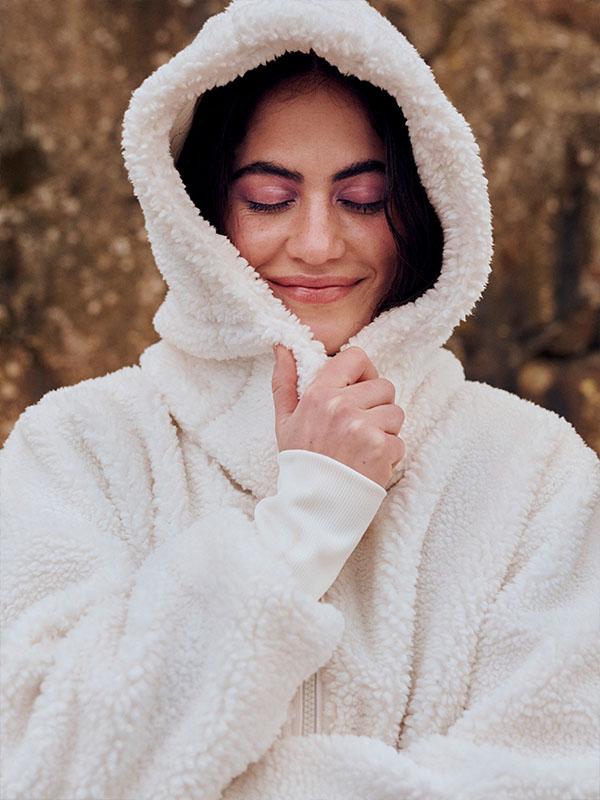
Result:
x=228 y=578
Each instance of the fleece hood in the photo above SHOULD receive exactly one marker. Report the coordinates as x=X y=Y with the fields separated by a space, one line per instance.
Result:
x=217 y=306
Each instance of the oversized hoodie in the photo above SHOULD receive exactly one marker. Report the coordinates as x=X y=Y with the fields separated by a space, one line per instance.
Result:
x=156 y=644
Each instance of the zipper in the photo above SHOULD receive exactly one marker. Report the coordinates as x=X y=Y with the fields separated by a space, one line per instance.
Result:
x=310 y=705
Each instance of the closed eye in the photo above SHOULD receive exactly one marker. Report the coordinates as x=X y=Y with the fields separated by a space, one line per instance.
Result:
x=270 y=208
x=364 y=208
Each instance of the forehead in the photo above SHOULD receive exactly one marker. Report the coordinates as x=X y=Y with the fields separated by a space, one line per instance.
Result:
x=319 y=121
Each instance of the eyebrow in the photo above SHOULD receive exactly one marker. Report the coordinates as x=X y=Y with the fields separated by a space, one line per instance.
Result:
x=271 y=168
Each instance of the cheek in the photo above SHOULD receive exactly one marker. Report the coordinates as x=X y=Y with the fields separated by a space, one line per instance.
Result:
x=379 y=248
x=385 y=238
x=256 y=239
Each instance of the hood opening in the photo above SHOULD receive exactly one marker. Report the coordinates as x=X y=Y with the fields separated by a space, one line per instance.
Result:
x=208 y=132
x=216 y=305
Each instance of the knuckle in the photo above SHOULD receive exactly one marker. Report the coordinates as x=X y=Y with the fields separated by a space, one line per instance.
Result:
x=387 y=384
x=355 y=425
x=377 y=441
x=358 y=355
x=356 y=351
x=335 y=405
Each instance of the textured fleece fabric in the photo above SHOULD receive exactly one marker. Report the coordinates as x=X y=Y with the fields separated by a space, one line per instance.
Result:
x=153 y=644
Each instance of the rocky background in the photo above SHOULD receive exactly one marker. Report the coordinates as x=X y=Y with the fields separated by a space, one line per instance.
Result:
x=78 y=287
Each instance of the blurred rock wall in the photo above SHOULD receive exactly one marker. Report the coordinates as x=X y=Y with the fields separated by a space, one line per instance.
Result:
x=78 y=286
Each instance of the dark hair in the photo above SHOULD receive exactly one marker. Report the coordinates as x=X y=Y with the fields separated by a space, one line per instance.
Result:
x=220 y=122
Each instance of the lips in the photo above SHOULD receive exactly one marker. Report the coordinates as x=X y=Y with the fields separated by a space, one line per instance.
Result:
x=323 y=281
x=311 y=294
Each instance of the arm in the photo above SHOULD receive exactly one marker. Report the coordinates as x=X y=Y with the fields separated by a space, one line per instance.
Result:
x=530 y=729
x=132 y=673
x=320 y=512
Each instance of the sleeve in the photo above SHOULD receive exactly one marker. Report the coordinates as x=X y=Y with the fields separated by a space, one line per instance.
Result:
x=132 y=674
x=317 y=517
x=530 y=727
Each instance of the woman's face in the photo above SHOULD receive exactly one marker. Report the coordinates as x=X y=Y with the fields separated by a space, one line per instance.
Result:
x=305 y=207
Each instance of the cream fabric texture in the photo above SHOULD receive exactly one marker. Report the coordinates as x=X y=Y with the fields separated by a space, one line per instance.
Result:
x=317 y=517
x=152 y=644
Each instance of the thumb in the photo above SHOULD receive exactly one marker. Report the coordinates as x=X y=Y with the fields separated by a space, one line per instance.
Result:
x=285 y=397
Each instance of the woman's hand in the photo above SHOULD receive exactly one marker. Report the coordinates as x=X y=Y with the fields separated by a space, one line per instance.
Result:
x=347 y=412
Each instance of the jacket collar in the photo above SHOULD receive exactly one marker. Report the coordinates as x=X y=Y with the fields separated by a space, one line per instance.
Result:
x=226 y=407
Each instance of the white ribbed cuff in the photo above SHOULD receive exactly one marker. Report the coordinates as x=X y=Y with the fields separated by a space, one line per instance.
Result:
x=320 y=512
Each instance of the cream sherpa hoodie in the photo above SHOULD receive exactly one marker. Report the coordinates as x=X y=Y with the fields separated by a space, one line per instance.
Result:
x=157 y=647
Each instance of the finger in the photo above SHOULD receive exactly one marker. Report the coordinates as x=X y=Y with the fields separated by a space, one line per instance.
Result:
x=388 y=418
x=346 y=368
x=397 y=448
x=284 y=382
x=371 y=393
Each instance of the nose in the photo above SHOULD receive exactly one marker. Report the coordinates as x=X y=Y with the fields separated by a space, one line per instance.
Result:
x=316 y=235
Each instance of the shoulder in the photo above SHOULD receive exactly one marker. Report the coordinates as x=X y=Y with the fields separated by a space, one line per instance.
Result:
x=531 y=431
x=119 y=406
x=507 y=408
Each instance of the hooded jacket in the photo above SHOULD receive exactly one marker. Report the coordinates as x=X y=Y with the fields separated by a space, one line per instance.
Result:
x=155 y=642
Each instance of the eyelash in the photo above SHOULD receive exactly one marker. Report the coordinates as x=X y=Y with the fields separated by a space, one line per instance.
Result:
x=270 y=208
